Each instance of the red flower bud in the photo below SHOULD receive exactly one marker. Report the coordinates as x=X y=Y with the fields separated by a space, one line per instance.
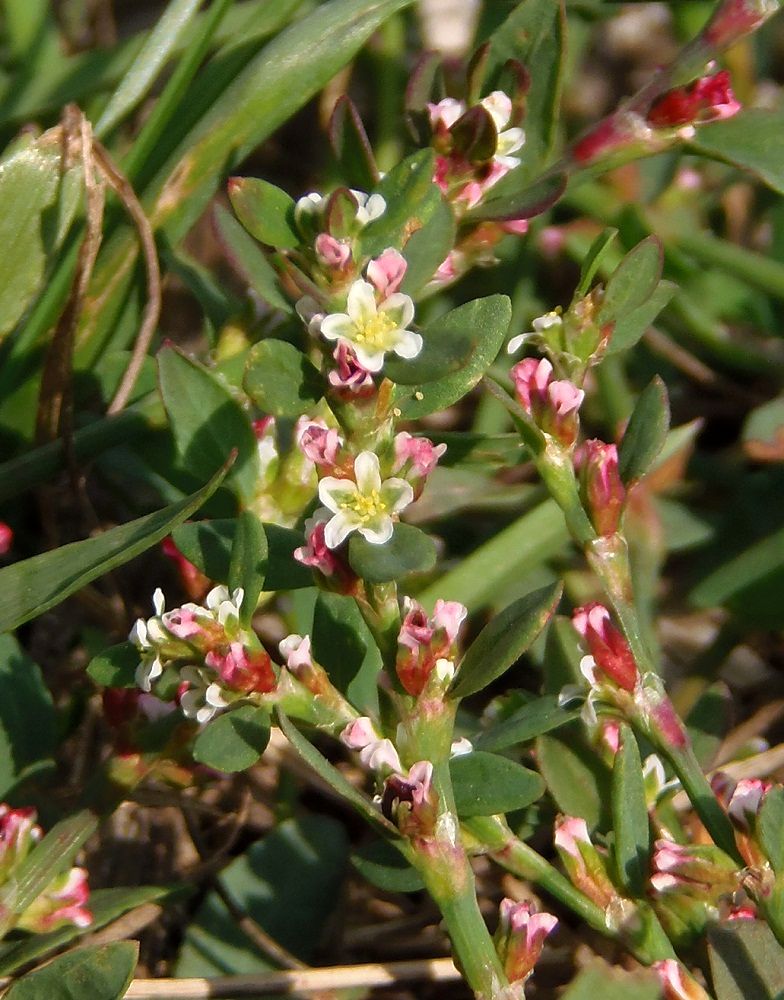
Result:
x=707 y=99
x=607 y=646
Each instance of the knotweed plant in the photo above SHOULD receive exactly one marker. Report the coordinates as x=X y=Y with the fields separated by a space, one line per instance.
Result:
x=332 y=425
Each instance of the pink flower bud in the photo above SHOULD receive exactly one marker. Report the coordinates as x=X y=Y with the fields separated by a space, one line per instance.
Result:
x=380 y=755
x=6 y=538
x=183 y=623
x=18 y=834
x=449 y=616
x=386 y=272
x=736 y=18
x=520 y=937
x=608 y=647
x=315 y=552
x=676 y=982
x=584 y=865
x=333 y=253
x=242 y=669
x=349 y=375
x=708 y=99
x=424 y=642
x=553 y=405
x=318 y=442
x=745 y=803
x=515 y=227
x=416 y=457
x=411 y=802
x=62 y=903
x=603 y=492
x=193 y=580
x=606 y=137
x=359 y=733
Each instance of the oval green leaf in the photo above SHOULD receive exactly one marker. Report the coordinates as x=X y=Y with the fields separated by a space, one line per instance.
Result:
x=233 y=741
x=281 y=380
x=646 y=432
x=102 y=972
x=543 y=715
x=409 y=550
x=115 y=666
x=504 y=640
x=633 y=281
x=486 y=784
x=265 y=211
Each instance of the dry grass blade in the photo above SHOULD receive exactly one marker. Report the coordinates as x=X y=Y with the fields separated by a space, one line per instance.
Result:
x=295 y=981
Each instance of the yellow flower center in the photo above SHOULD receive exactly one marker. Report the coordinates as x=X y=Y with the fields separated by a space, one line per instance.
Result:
x=366 y=506
x=373 y=331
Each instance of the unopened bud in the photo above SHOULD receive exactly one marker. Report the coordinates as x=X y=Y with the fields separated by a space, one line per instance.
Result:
x=608 y=647
x=520 y=937
x=676 y=982
x=553 y=404
x=603 y=493
x=736 y=18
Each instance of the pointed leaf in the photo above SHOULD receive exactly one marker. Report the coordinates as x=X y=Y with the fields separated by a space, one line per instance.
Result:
x=633 y=281
x=646 y=432
x=576 y=778
x=30 y=587
x=249 y=260
x=753 y=140
x=351 y=146
x=411 y=199
x=233 y=741
x=386 y=868
x=249 y=557
x=593 y=259
x=514 y=197
x=281 y=380
x=115 y=666
x=265 y=211
x=745 y=961
x=207 y=422
x=504 y=640
x=102 y=972
x=542 y=715
x=333 y=777
x=630 y=327
x=486 y=784
x=630 y=816
x=27 y=717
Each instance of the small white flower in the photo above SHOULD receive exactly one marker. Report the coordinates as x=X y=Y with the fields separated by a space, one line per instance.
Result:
x=224 y=607
x=499 y=106
x=366 y=506
x=371 y=207
x=540 y=324
x=308 y=206
x=372 y=330
x=148 y=671
x=444 y=671
x=204 y=698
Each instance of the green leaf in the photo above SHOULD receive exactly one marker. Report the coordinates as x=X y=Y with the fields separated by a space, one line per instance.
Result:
x=233 y=741
x=351 y=146
x=38 y=202
x=30 y=587
x=249 y=557
x=207 y=544
x=102 y=972
x=106 y=906
x=630 y=327
x=265 y=211
x=27 y=718
x=486 y=784
x=646 y=432
x=207 y=422
x=770 y=823
x=147 y=65
x=633 y=282
x=593 y=259
x=600 y=980
x=248 y=258
x=630 y=816
x=340 y=638
x=577 y=780
x=51 y=856
x=537 y=717
x=281 y=380
x=745 y=961
x=115 y=666
x=409 y=550
x=412 y=199
x=289 y=884
x=427 y=248
x=514 y=197
x=450 y=341
x=386 y=868
x=430 y=397
x=334 y=778
x=504 y=640
x=753 y=140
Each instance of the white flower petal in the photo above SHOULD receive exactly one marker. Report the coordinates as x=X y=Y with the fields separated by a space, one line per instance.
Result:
x=138 y=634
x=366 y=472
x=517 y=342
x=379 y=530
x=338 y=528
x=214 y=696
x=396 y=494
x=509 y=142
x=400 y=307
x=408 y=345
x=499 y=106
x=361 y=302
x=158 y=601
x=375 y=207
x=338 y=326
x=371 y=359
x=333 y=492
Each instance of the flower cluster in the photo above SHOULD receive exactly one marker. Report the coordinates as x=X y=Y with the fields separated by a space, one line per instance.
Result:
x=601 y=490
x=213 y=660
x=552 y=404
x=64 y=901
x=520 y=937
x=427 y=644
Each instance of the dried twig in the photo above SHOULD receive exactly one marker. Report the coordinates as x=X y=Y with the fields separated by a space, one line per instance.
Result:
x=296 y=981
